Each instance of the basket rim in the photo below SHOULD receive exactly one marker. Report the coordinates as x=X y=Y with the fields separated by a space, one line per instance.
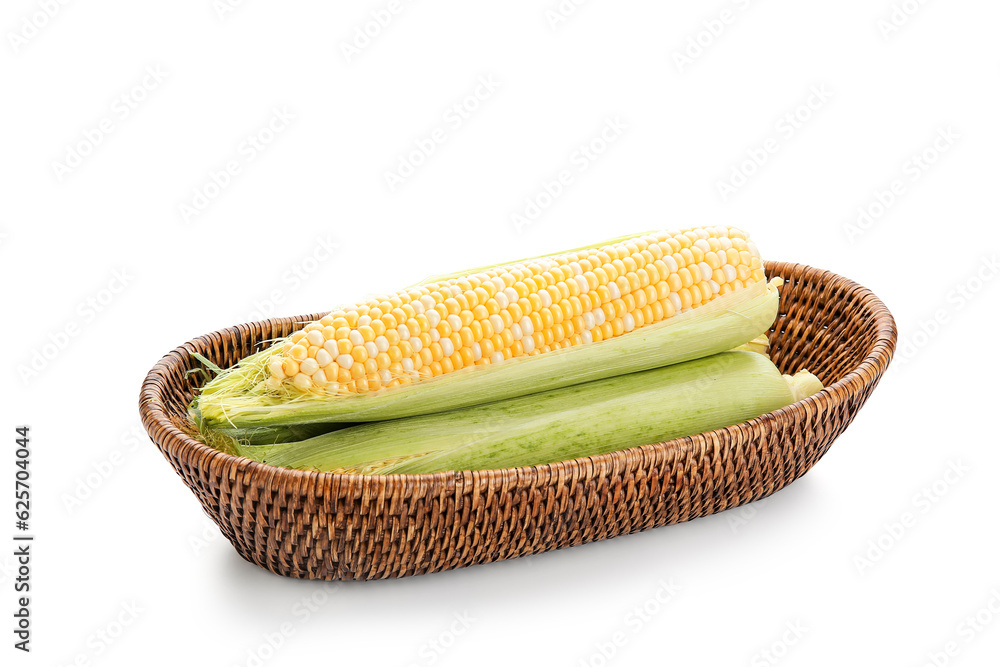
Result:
x=173 y=440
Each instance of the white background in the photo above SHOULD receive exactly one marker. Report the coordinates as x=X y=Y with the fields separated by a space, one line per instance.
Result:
x=822 y=556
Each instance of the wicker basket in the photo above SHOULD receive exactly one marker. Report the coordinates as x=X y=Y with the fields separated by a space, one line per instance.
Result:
x=328 y=526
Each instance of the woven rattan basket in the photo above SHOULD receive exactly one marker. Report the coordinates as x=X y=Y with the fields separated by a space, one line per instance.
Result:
x=329 y=526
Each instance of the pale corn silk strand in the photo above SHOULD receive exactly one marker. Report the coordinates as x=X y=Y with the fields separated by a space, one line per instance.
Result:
x=513 y=311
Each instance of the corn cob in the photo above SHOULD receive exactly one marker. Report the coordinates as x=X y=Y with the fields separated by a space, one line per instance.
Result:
x=551 y=308
x=515 y=311
x=580 y=420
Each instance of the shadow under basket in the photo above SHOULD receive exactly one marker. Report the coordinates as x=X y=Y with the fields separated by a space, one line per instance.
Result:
x=354 y=527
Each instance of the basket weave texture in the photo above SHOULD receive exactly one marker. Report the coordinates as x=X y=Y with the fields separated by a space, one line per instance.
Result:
x=353 y=527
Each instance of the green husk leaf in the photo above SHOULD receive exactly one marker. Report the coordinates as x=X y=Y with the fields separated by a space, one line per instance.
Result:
x=580 y=420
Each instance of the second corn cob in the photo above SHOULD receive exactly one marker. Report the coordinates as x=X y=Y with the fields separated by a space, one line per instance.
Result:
x=581 y=420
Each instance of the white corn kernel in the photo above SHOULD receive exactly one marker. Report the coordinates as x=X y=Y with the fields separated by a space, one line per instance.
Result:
x=706 y=271
x=447 y=346
x=275 y=367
